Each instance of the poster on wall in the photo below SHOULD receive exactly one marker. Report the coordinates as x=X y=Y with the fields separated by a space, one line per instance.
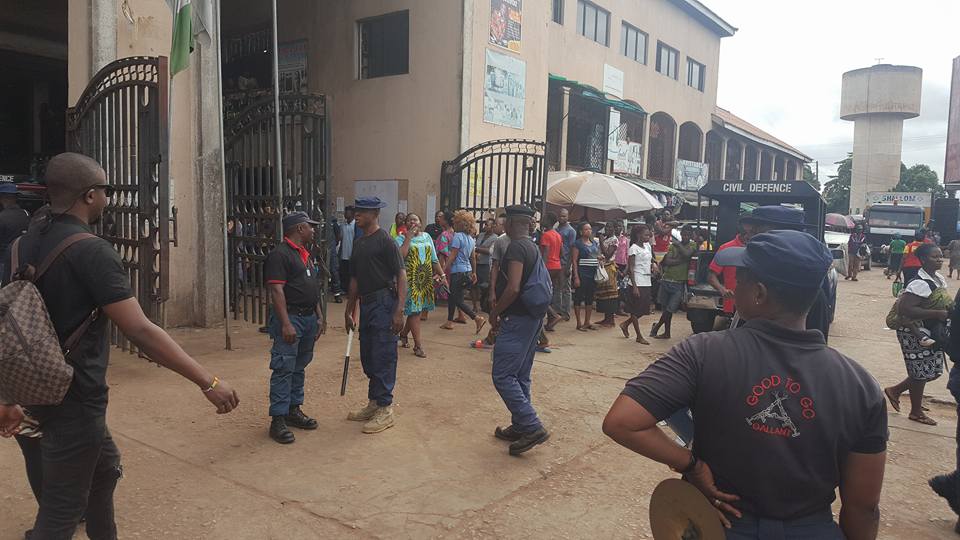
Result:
x=690 y=175
x=612 y=80
x=504 y=89
x=292 y=66
x=387 y=190
x=629 y=158
x=505 y=23
x=613 y=135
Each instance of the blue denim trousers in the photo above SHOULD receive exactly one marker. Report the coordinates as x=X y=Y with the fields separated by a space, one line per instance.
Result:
x=288 y=362
x=816 y=526
x=378 y=346
x=512 y=362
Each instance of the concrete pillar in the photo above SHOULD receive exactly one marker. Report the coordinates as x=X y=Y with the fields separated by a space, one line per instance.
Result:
x=676 y=154
x=645 y=150
x=564 y=127
x=759 y=154
x=703 y=148
x=103 y=35
x=723 y=159
x=743 y=161
x=208 y=301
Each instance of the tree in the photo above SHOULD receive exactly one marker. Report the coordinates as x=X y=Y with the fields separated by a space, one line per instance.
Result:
x=810 y=177
x=837 y=190
x=920 y=178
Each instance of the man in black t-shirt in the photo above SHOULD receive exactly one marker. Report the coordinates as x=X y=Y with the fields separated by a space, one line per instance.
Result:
x=781 y=420
x=79 y=461
x=378 y=279
x=517 y=333
x=295 y=324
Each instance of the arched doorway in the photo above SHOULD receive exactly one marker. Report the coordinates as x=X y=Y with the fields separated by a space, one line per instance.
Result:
x=660 y=152
x=691 y=141
x=778 y=168
x=750 y=163
x=792 y=170
x=714 y=155
x=734 y=154
x=766 y=166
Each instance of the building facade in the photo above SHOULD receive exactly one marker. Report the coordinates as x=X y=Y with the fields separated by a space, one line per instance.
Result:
x=396 y=88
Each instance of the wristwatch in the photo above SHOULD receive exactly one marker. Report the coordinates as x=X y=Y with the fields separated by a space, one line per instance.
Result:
x=690 y=466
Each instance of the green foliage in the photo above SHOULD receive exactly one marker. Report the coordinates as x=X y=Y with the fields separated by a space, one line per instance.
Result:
x=810 y=177
x=837 y=190
x=920 y=178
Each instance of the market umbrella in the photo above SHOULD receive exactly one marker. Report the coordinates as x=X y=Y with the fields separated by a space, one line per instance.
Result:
x=597 y=196
x=839 y=220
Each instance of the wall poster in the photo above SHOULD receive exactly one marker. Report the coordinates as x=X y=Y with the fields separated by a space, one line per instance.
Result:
x=629 y=158
x=690 y=175
x=292 y=66
x=504 y=89
x=505 y=23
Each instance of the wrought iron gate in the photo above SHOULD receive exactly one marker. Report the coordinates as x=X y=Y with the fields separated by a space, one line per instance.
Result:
x=495 y=174
x=120 y=120
x=252 y=196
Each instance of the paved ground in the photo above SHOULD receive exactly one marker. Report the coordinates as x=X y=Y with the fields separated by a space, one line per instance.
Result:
x=439 y=473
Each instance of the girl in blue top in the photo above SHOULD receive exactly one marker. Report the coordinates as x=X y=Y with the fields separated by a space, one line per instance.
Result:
x=460 y=266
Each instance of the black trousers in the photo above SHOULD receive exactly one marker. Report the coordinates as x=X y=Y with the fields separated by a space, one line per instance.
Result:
x=79 y=466
x=458 y=284
x=345 y=274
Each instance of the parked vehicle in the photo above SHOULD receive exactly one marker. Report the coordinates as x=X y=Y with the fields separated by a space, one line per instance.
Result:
x=704 y=304
x=884 y=220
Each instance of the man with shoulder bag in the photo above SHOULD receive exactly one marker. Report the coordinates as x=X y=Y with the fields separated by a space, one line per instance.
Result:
x=82 y=283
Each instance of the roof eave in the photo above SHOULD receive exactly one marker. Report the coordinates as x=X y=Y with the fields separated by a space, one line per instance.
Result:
x=706 y=16
x=747 y=135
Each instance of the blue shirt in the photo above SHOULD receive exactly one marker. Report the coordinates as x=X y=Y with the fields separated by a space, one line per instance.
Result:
x=569 y=236
x=464 y=244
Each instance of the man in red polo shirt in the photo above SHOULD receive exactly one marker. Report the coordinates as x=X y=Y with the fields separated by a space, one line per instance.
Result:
x=728 y=274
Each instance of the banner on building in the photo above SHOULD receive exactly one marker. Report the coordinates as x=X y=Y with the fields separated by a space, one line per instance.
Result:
x=292 y=66
x=506 y=21
x=613 y=135
x=690 y=175
x=629 y=158
x=951 y=171
x=612 y=81
x=504 y=90
x=919 y=198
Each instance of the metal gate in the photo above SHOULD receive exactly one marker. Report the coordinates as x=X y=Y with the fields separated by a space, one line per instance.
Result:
x=120 y=120
x=495 y=174
x=252 y=199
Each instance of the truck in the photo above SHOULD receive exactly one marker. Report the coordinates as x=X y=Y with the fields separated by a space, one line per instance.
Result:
x=885 y=220
x=730 y=199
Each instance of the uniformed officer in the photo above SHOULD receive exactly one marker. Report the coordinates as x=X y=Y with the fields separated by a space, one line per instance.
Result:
x=297 y=321
x=13 y=223
x=781 y=419
x=378 y=279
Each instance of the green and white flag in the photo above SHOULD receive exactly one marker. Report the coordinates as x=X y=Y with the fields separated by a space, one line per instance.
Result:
x=191 y=18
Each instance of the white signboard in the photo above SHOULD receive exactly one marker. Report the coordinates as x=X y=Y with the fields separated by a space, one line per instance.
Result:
x=612 y=81
x=504 y=90
x=690 y=175
x=921 y=199
x=629 y=158
x=613 y=137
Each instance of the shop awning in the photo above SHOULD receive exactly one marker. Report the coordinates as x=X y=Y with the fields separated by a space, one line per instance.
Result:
x=650 y=185
x=600 y=96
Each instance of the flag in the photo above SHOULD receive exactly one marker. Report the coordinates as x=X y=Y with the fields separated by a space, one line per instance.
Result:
x=191 y=18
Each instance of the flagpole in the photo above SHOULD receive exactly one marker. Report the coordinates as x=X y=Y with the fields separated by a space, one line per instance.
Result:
x=223 y=181
x=276 y=120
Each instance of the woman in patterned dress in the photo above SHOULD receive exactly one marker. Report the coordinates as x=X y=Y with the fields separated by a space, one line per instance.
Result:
x=423 y=271
x=924 y=298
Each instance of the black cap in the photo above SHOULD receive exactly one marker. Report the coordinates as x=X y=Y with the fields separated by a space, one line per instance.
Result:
x=781 y=216
x=368 y=203
x=520 y=210
x=293 y=219
x=781 y=257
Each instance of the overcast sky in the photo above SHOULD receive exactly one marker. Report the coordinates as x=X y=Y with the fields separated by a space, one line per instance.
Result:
x=782 y=69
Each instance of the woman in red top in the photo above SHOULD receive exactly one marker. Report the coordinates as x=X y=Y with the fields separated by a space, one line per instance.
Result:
x=551 y=244
x=911 y=264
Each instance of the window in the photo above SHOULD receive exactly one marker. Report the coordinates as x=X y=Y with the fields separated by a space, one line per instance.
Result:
x=384 y=45
x=695 y=74
x=633 y=43
x=558 y=11
x=667 y=59
x=593 y=22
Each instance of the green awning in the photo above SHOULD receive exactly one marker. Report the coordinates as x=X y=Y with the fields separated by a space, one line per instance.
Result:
x=600 y=96
x=650 y=185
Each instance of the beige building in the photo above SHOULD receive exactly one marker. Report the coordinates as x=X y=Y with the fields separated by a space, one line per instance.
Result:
x=375 y=96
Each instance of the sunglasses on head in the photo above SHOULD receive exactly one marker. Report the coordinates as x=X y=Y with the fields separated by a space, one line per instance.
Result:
x=108 y=190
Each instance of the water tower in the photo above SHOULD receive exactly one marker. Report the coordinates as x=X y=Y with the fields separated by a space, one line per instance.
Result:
x=877 y=100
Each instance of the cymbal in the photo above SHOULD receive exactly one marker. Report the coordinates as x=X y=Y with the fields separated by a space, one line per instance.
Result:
x=679 y=511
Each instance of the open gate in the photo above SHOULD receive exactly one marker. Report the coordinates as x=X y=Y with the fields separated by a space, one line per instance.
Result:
x=252 y=197
x=120 y=120
x=495 y=174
